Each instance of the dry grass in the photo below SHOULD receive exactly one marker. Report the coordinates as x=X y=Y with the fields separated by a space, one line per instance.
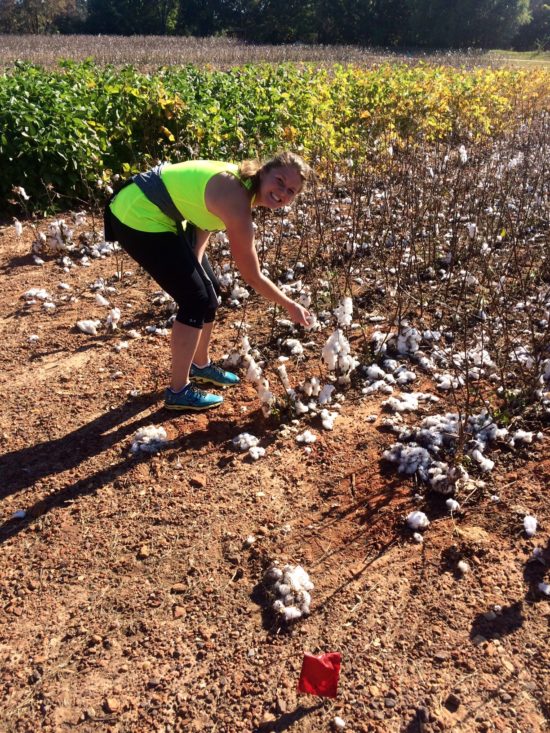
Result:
x=150 y=52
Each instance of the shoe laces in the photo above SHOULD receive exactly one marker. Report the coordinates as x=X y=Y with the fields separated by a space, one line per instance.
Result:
x=195 y=391
x=217 y=369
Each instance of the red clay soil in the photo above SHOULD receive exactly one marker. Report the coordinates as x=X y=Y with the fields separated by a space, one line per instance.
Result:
x=131 y=601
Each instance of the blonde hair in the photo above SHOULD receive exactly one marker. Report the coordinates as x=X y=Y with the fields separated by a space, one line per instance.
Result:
x=249 y=170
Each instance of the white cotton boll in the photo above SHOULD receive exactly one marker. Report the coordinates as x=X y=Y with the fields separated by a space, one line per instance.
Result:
x=521 y=436
x=328 y=418
x=278 y=606
x=18 y=228
x=544 y=588
x=325 y=395
x=283 y=376
x=303 y=599
x=239 y=293
x=304 y=299
x=485 y=464
x=315 y=386
x=344 y=312
x=273 y=574
x=265 y=395
x=121 y=346
x=462 y=154
x=283 y=589
x=38 y=293
x=20 y=191
x=405 y=376
x=33 y=338
x=133 y=334
x=256 y=452
x=299 y=578
x=338 y=723
x=495 y=498
x=306 y=437
x=312 y=323
x=307 y=389
x=88 y=326
x=100 y=300
x=49 y=307
x=379 y=386
x=149 y=439
x=530 y=525
x=417 y=537
x=472 y=229
x=295 y=347
x=300 y=408
x=291 y=613
x=374 y=372
x=417 y=520
x=154 y=331
x=330 y=351
x=113 y=317
x=254 y=371
x=463 y=567
x=244 y=441
x=453 y=505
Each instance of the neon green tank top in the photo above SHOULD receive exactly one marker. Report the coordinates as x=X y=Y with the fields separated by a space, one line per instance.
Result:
x=186 y=183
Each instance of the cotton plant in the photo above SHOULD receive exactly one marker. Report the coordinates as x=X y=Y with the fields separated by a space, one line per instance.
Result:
x=254 y=374
x=336 y=354
x=344 y=312
x=420 y=450
x=57 y=240
x=289 y=589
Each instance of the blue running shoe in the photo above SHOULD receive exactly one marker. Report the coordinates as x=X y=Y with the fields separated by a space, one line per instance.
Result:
x=213 y=374
x=191 y=398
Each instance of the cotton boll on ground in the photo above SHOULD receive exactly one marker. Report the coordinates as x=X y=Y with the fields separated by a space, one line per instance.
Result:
x=88 y=326
x=417 y=520
x=245 y=441
x=149 y=439
x=306 y=437
x=113 y=318
x=530 y=525
x=255 y=452
x=289 y=589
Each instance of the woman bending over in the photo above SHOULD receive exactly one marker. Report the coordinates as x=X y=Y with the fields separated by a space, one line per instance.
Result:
x=163 y=219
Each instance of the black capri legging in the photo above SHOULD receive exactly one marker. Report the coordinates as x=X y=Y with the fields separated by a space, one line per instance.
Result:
x=171 y=261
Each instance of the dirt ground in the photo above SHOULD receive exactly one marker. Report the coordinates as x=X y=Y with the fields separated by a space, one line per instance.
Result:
x=131 y=600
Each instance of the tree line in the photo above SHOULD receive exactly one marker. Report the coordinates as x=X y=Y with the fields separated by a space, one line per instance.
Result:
x=521 y=24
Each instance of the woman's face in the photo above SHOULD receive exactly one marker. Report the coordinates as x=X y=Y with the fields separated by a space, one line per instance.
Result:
x=278 y=187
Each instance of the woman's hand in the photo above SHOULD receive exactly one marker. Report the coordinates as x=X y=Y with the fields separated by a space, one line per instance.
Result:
x=298 y=313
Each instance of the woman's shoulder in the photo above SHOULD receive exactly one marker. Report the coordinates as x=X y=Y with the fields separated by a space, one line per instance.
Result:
x=226 y=196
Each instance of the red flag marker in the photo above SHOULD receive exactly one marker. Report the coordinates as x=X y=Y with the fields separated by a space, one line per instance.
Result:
x=319 y=675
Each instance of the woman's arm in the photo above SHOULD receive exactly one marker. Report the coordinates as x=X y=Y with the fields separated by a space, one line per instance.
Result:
x=230 y=203
x=241 y=240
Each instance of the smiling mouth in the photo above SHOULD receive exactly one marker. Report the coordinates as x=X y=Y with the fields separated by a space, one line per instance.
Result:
x=277 y=200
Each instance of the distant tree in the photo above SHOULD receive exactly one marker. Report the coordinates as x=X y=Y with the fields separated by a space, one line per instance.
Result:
x=536 y=34
x=131 y=17
x=35 y=16
x=478 y=23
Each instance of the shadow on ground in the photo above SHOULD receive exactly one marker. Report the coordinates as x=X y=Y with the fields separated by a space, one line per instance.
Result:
x=287 y=720
x=24 y=468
